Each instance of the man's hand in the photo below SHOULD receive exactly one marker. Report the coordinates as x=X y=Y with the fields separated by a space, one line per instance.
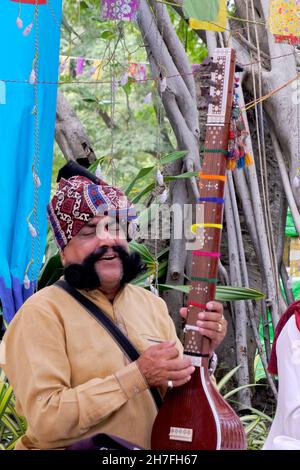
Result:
x=161 y=363
x=212 y=323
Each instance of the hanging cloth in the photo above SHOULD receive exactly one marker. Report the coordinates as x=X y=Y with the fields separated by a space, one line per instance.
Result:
x=17 y=117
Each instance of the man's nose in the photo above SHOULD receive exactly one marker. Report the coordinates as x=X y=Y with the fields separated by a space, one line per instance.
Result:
x=105 y=235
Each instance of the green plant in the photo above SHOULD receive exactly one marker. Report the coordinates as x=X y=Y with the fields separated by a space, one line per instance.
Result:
x=256 y=423
x=12 y=426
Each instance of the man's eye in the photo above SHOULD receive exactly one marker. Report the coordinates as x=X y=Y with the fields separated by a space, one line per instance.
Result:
x=87 y=234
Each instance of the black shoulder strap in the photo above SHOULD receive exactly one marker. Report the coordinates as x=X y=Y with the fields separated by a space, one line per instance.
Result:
x=110 y=326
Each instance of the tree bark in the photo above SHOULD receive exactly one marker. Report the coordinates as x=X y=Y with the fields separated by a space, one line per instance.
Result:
x=70 y=134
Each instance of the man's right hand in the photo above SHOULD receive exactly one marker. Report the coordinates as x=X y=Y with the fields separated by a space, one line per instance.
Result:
x=161 y=363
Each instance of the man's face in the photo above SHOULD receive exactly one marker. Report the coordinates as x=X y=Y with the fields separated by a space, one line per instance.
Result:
x=99 y=232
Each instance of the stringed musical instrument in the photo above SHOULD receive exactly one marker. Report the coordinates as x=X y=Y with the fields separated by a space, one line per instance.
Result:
x=195 y=416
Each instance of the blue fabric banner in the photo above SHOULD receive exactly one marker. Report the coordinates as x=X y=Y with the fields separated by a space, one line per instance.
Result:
x=26 y=150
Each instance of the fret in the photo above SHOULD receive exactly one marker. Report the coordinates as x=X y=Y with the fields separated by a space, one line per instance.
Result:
x=212 y=180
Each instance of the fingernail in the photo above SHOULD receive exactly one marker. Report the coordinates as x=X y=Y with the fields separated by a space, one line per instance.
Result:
x=209 y=305
x=201 y=315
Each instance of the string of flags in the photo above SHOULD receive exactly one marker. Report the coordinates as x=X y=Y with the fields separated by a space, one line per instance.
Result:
x=77 y=66
x=284 y=15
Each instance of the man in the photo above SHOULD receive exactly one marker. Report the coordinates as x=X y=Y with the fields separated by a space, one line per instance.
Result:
x=285 y=362
x=70 y=377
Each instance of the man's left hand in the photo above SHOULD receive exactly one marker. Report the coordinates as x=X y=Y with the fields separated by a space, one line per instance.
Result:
x=211 y=323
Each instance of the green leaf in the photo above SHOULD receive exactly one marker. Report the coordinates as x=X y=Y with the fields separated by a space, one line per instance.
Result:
x=107 y=35
x=143 y=193
x=94 y=165
x=227 y=293
x=89 y=100
x=251 y=426
x=171 y=157
x=223 y=293
x=184 y=289
x=143 y=251
x=188 y=174
x=227 y=377
x=141 y=174
x=52 y=267
x=5 y=400
x=254 y=411
x=233 y=392
x=140 y=280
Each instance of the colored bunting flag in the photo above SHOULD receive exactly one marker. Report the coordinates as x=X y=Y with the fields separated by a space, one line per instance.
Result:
x=96 y=70
x=119 y=9
x=137 y=71
x=204 y=10
x=284 y=20
x=23 y=234
x=79 y=65
x=218 y=24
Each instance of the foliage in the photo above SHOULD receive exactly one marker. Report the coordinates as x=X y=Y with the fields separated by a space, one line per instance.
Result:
x=135 y=140
x=256 y=423
x=12 y=426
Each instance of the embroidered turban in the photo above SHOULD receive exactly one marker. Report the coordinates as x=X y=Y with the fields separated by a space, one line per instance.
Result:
x=78 y=199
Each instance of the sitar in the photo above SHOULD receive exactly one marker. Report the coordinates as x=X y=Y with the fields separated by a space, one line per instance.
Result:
x=195 y=416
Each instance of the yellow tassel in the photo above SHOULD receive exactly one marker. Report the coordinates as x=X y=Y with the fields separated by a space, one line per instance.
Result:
x=231 y=164
x=248 y=159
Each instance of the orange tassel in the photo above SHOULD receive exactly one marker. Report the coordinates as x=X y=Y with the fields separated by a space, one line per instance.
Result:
x=231 y=164
x=248 y=159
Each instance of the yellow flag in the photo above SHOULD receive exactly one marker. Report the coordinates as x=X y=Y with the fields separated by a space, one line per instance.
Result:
x=284 y=19
x=97 y=65
x=218 y=25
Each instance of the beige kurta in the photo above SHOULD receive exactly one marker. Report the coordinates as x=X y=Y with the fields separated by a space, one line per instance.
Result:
x=70 y=378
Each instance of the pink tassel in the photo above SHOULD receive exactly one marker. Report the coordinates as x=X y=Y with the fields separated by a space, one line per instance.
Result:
x=36 y=180
x=32 y=230
x=27 y=30
x=19 y=23
x=32 y=77
x=26 y=282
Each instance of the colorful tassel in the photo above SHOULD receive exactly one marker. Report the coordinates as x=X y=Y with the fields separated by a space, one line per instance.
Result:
x=26 y=282
x=32 y=77
x=27 y=30
x=248 y=159
x=238 y=157
x=32 y=230
x=19 y=23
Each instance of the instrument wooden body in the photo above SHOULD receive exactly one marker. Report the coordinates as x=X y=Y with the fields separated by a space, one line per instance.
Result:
x=195 y=416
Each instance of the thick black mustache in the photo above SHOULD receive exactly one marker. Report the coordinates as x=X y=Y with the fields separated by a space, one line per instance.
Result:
x=84 y=275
